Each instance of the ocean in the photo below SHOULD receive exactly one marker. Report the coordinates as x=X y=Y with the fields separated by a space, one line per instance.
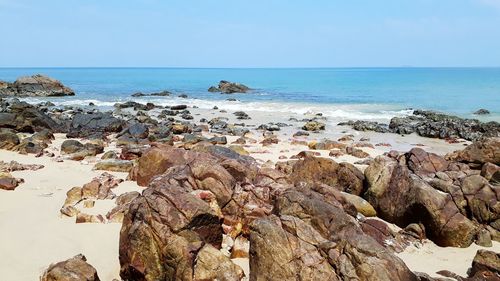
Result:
x=342 y=93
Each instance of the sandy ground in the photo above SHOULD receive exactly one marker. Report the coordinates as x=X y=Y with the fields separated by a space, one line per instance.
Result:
x=34 y=234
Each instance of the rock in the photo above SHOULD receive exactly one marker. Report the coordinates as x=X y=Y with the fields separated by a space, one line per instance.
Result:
x=327 y=145
x=35 y=86
x=74 y=269
x=482 y=151
x=356 y=152
x=13 y=166
x=114 y=165
x=164 y=230
x=122 y=205
x=361 y=205
x=180 y=128
x=240 y=248
x=8 y=182
x=313 y=126
x=211 y=264
x=402 y=197
x=227 y=87
x=159 y=94
x=486 y=265
x=8 y=140
x=94 y=124
x=110 y=155
x=87 y=218
x=484 y=238
x=432 y=124
x=302 y=242
x=137 y=131
x=25 y=118
x=482 y=111
x=344 y=176
x=75 y=150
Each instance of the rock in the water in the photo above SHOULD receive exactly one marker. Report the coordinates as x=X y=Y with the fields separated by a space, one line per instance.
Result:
x=35 y=86
x=227 y=87
x=482 y=111
x=74 y=269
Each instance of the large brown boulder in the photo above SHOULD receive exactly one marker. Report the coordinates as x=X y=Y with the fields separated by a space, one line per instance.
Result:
x=35 y=86
x=165 y=229
x=303 y=242
x=401 y=197
x=485 y=266
x=344 y=176
x=74 y=269
x=481 y=151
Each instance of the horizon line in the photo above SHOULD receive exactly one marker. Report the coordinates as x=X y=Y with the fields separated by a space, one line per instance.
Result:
x=239 y=67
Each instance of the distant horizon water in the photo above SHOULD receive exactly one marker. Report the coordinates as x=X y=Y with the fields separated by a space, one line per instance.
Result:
x=368 y=93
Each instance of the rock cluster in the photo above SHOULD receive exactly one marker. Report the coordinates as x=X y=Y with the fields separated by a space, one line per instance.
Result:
x=35 y=86
x=227 y=87
x=432 y=124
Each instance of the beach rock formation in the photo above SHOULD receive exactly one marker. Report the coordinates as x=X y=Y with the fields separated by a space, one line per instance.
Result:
x=485 y=266
x=482 y=111
x=433 y=125
x=227 y=87
x=480 y=152
x=23 y=117
x=35 y=86
x=94 y=125
x=448 y=198
x=74 y=269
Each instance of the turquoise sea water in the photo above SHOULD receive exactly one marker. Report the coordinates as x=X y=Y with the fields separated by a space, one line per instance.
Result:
x=364 y=93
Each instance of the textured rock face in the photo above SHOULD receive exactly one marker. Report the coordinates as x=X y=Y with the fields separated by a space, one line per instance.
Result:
x=314 y=126
x=23 y=117
x=164 y=230
x=302 y=242
x=344 y=176
x=432 y=124
x=402 y=197
x=8 y=140
x=74 y=269
x=485 y=266
x=482 y=151
x=35 y=86
x=94 y=125
x=227 y=87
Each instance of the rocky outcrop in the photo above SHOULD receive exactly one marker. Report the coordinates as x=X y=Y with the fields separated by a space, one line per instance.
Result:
x=432 y=124
x=8 y=140
x=227 y=87
x=23 y=117
x=95 y=125
x=35 y=86
x=485 y=266
x=74 y=269
x=344 y=176
x=479 y=152
x=448 y=198
x=303 y=242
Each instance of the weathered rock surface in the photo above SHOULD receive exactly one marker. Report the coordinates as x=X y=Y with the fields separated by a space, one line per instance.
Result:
x=24 y=117
x=303 y=242
x=74 y=269
x=344 y=176
x=432 y=124
x=401 y=195
x=35 y=86
x=227 y=87
x=94 y=125
x=480 y=152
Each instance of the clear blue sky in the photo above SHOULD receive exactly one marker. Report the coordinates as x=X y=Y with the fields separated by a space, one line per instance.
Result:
x=256 y=33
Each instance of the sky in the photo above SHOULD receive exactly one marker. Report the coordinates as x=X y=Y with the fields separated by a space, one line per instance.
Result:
x=257 y=33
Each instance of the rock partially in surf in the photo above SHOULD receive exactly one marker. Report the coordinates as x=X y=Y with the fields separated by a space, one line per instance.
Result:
x=227 y=87
x=35 y=86
x=158 y=94
x=482 y=111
